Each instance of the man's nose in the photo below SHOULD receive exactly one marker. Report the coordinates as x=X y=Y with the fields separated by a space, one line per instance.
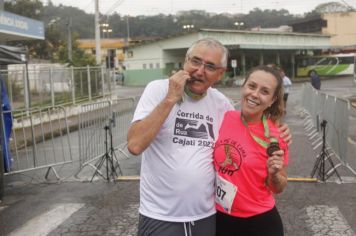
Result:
x=201 y=69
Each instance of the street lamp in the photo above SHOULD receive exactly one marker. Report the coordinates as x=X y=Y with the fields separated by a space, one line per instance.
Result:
x=188 y=27
x=239 y=25
x=105 y=29
x=109 y=53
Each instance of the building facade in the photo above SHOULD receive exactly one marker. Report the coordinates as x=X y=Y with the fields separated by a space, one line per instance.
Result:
x=339 y=25
x=342 y=28
x=156 y=60
x=112 y=50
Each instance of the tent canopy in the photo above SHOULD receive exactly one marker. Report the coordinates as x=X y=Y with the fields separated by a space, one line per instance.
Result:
x=12 y=55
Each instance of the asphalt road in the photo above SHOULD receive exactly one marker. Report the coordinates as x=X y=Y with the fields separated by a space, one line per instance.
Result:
x=77 y=207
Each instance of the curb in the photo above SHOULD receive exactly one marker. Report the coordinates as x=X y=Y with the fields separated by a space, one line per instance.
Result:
x=129 y=177
x=290 y=179
x=302 y=179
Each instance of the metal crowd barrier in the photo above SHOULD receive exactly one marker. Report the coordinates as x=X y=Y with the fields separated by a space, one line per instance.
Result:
x=40 y=139
x=41 y=85
x=94 y=118
x=122 y=114
x=318 y=107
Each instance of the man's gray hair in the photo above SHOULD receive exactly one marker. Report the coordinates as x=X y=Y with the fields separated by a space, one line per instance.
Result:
x=210 y=42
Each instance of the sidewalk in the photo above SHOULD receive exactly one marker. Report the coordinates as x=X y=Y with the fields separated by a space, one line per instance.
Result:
x=31 y=207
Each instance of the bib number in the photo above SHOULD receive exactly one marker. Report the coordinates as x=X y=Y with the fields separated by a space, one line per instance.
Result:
x=225 y=193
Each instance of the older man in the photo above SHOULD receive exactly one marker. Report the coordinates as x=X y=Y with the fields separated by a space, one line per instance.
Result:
x=175 y=125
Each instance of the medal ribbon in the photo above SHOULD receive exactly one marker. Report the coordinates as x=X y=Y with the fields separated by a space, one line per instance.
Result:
x=260 y=141
x=193 y=95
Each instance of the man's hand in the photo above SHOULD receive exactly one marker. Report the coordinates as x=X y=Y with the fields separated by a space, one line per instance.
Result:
x=285 y=133
x=139 y=137
x=176 y=86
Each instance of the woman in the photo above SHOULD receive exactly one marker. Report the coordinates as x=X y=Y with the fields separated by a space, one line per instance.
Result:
x=247 y=177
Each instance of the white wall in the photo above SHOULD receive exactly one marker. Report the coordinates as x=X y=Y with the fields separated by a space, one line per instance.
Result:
x=149 y=54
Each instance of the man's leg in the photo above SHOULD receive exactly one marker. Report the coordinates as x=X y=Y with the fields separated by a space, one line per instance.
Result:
x=152 y=227
x=204 y=227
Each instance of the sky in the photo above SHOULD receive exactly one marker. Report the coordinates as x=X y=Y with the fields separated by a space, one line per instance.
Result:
x=153 y=7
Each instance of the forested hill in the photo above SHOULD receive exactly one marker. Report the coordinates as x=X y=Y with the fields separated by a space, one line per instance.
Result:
x=60 y=20
x=157 y=25
x=146 y=26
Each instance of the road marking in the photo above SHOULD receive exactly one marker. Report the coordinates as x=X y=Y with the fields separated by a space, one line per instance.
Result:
x=327 y=221
x=43 y=224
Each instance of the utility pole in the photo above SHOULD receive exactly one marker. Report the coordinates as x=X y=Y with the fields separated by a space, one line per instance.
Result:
x=69 y=44
x=97 y=34
x=127 y=31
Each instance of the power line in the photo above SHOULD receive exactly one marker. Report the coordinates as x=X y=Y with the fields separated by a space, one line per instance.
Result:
x=90 y=3
x=114 y=6
x=348 y=5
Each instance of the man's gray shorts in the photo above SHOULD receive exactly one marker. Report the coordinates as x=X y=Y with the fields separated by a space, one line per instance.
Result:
x=152 y=227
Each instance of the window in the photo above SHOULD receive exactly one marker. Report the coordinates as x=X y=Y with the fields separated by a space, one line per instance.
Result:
x=157 y=65
x=346 y=60
x=144 y=66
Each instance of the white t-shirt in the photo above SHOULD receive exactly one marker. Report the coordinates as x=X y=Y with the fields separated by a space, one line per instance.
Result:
x=177 y=173
x=287 y=83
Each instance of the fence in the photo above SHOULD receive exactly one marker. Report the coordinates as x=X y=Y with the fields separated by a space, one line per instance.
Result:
x=318 y=107
x=40 y=139
x=99 y=124
x=50 y=85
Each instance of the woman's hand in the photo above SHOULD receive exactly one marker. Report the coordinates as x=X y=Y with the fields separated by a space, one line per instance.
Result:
x=277 y=177
x=275 y=162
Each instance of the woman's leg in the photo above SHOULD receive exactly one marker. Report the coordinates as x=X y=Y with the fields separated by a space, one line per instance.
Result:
x=267 y=224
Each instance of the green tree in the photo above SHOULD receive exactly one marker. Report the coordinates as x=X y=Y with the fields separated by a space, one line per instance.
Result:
x=329 y=7
x=79 y=58
x=29 y=8
x=267 y=18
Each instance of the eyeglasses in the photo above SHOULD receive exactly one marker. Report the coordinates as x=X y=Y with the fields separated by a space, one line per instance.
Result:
x=209 y=67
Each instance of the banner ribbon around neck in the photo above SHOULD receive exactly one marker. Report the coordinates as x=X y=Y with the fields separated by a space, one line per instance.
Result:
x=260 y=141
x=192 y=95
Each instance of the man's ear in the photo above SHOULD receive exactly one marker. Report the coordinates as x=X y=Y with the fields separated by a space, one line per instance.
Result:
x=222 y=72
